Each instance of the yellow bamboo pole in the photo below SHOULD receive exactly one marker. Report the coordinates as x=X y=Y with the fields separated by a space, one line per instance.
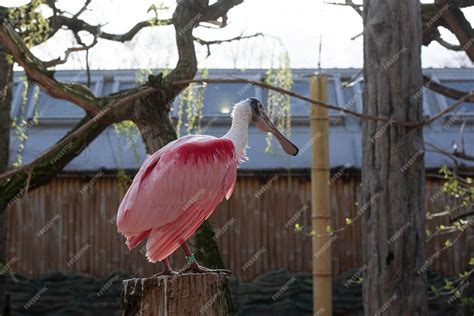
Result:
x=320 y=205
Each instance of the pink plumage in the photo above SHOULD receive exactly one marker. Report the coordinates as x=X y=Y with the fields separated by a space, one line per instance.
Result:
x=175 y=190
x=178 y=187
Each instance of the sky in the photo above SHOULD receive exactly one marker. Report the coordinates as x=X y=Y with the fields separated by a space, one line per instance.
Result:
x=295 y=27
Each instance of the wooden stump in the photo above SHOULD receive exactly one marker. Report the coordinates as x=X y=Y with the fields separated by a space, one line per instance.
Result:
x=186 y=294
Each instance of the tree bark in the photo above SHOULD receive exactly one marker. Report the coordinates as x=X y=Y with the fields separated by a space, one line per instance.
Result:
x=152 y=119
x=187 y=294
x=393 y=161
x=6 y=81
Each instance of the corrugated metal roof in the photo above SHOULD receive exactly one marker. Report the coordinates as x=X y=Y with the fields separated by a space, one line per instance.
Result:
x=56 y=117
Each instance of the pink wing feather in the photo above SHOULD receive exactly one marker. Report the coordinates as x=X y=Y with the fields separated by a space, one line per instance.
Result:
x=175 y=190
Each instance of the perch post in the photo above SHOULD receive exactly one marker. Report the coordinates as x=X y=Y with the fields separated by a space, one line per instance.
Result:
x=185 y=294
x=320 y=205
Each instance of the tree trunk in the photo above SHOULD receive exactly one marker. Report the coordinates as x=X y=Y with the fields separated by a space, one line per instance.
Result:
x=187 y=294
x=393 y=161
x=152 y=119
x=6 y=81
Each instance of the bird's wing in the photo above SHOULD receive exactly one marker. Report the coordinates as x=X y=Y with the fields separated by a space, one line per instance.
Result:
x=180 y=177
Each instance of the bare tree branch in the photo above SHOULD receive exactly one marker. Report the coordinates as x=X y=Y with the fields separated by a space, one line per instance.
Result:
x=37 y=71
x=423 y=122
x=457 y=23
x=218 y=10
x=462 y=3
x=462 y=216
x=77 y=25
x=218 y=42
x=16 y=183
x=451 y=154
x=102 y=117
x=75 y=93
x=446 y=91
x=447 y=45
x=81 y=10
x=349 y=3
x=463 y=156
x=59 y=61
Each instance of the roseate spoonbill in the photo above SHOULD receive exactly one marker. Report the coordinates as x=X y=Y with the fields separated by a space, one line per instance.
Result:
x=180 y=185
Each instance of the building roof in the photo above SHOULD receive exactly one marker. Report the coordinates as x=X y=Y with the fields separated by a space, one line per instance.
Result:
x=56 y=117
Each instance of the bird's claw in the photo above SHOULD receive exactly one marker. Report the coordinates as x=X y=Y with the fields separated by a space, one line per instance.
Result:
x=166 y=272
x=197 y=268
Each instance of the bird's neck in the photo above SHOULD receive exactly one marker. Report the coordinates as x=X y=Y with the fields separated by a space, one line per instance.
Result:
x=239 y=134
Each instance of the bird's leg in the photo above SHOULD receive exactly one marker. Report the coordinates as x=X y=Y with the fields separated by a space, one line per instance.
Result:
x=194 y=266
x=167 y=270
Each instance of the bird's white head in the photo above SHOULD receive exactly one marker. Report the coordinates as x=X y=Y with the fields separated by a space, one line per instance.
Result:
x=253 y=110
x=242 y=111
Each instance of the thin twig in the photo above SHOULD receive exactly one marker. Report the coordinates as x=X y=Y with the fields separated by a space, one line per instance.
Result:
x=59 y=61
x=218 y=42
x=442 y=42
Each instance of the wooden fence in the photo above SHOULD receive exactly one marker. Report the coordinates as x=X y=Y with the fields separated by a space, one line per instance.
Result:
x=70 y=224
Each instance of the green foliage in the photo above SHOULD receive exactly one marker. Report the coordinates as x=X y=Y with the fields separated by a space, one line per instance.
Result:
x=191 y=102
x=141 y=76
x=9 y=58
x=459 y=193
x=123 y=180
x=20 y=124
x=129 y=131
x=29 y=21
x=155 y=8
x=279 y=105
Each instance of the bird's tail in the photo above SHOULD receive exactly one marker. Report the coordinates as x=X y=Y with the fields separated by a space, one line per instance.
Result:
x=134 y=240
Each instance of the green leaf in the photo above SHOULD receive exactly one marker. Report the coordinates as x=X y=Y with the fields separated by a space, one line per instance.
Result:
x=448 y=243
x=329 y=230
x=471 y=261
x=152 y=8
x=348 y=221
x=448 y=285
x=298 y=228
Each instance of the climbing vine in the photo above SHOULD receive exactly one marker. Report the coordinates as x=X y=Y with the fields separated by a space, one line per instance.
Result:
x=278 y=104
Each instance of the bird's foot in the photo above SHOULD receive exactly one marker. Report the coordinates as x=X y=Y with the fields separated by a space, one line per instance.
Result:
x=195 y=267
x=166 y=272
